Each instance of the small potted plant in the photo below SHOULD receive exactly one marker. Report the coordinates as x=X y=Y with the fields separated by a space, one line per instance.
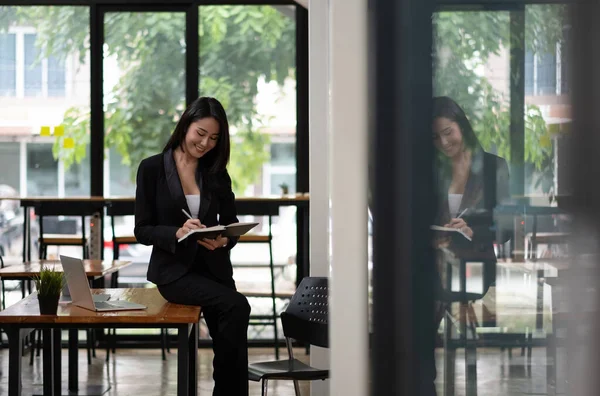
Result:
x=49 y=284
x=285 y=189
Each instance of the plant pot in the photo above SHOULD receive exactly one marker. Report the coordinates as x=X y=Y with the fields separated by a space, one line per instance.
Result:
x=48 y=304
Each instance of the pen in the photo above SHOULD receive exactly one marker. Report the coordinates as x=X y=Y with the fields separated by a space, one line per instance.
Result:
x=187 y=214
x=462 y=213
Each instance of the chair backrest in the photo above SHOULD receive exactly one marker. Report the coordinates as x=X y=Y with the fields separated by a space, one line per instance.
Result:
x=120 y=208
x=67 y=208
x=256 y=208
x=306 y=317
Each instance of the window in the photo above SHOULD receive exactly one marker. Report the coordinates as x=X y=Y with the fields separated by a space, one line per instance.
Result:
x=42 y=170
x=8 y=61
x=32 y=67
x=23 y=72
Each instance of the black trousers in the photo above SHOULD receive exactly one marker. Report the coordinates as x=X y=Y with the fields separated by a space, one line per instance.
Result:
x=227 y=314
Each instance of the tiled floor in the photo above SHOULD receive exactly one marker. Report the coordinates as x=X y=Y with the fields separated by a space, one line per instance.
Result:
x=142 y=372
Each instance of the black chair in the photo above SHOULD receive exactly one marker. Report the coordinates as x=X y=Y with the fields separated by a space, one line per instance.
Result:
x=64 y=233
x=305 y=319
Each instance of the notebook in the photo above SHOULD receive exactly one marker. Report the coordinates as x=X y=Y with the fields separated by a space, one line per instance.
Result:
x=450 y=230
x=230 y=230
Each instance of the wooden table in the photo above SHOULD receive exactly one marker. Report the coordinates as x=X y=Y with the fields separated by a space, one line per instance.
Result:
x=19 y=319
x=93 y=268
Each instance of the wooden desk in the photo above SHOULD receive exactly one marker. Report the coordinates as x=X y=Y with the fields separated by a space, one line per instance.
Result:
x=19 y=319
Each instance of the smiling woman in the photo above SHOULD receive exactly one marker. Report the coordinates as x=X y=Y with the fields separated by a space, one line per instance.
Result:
x=190 y=176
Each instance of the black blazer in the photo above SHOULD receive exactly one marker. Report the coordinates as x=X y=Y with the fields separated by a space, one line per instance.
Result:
x=487 y=187
x=159 y=199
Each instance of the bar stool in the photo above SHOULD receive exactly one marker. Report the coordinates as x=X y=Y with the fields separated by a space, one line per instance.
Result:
x=65 y=236
x=249 y=208
x=119 y=208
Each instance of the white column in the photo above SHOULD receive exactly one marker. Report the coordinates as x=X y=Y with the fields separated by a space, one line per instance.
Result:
x=348 y=183
x=318 y=126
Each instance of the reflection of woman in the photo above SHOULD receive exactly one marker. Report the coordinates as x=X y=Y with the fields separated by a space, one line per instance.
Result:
x=471 y=182
x=191 y=174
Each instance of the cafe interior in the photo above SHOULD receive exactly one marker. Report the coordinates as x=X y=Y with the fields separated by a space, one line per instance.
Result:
x=422 y=173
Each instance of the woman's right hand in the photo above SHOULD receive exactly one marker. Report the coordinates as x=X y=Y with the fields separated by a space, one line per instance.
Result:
x=191 y=224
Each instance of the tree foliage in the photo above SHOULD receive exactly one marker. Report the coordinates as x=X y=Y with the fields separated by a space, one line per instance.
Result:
x=238 y=46
x=464 y=42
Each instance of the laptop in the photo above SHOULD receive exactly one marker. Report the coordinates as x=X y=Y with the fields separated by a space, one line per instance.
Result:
x=81 y=293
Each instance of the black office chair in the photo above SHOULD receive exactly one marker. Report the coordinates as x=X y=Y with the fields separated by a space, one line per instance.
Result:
x=305 y=319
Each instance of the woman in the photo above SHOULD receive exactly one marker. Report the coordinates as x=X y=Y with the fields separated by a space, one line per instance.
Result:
x=471 y=182
x=191 y=174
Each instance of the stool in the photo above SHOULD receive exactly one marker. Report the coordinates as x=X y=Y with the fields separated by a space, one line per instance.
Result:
x=119 y=208
x=249 y=208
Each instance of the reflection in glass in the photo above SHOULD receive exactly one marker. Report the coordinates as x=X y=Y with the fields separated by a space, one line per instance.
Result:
x=248 y=61
x=503 y=161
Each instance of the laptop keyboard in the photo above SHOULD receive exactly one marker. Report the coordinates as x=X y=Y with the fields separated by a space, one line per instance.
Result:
x=101 y=305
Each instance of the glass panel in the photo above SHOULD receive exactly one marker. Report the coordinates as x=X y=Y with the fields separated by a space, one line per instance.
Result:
x=139 y=116
x=42 y=170
x=32 y=66
x=8 y=64
x=498 y=179
x=247 y=61
x=46 y=116
x=144 y=96
x=56 y=76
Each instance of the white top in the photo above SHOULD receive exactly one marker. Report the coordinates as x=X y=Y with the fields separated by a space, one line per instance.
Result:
x=193 y=202
x=454 y=201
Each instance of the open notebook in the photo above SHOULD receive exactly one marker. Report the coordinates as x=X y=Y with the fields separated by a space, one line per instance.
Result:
x=234 y=229
x=450 y=230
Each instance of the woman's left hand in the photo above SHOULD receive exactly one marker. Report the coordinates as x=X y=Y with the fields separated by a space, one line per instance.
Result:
x=212 y=244
x=461 y=225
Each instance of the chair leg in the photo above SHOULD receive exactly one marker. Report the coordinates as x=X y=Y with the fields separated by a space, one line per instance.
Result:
x=39 y=343
x=265 y=387
x=297 y=388
x=3 y=296
x=108 y=346
x=275 y=332
x=89 y=347
x=32 y=347
x=167 y=347
x=163 y=343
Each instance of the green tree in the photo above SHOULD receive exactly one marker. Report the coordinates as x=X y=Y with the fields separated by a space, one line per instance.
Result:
x=238 y=46
x=464 y=42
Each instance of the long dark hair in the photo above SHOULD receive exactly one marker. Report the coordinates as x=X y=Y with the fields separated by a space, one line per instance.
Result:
x=216 y=159
x=445 y=107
